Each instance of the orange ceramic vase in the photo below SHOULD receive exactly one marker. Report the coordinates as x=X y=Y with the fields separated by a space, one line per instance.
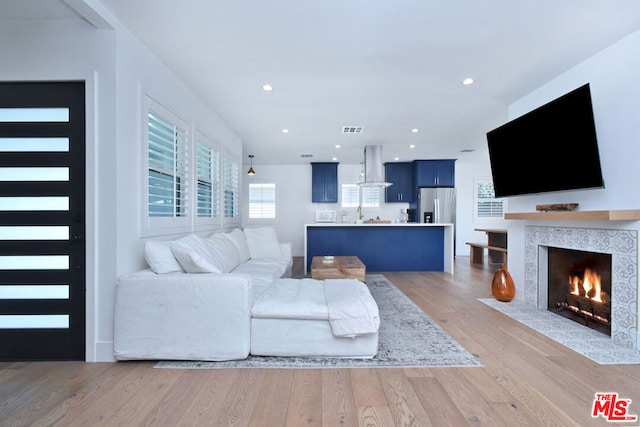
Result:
x=502 y=287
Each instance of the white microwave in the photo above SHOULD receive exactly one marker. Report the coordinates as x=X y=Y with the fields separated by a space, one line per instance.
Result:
x=326 y=216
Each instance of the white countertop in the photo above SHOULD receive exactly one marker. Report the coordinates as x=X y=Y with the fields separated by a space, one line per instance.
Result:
x=394 y=224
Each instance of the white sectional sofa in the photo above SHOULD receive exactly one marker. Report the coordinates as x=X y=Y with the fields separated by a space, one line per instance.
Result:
x=196 y=302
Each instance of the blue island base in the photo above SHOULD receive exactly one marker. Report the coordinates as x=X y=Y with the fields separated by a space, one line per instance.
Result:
x=380 y=248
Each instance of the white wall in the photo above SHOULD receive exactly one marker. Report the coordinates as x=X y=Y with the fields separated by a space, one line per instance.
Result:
x=468 y=170
x=75 y=50
x=141 y=74
x=615 y=94
x=119 y=71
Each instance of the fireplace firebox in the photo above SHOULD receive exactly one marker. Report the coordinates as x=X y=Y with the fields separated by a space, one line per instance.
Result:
x=579 y=287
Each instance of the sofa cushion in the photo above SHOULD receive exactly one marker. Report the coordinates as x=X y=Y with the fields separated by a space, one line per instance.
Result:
x=240 y=242
x=160 y=258
x=262 y=242
x=292 y=299
x=193 y=255
x=262 y=272
x=265 y=268
x=224 y=252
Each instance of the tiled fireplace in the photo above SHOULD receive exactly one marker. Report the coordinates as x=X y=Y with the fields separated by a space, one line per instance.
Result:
x=621 y=245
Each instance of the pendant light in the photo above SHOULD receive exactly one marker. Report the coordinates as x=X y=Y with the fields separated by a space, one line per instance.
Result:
x=251 y=172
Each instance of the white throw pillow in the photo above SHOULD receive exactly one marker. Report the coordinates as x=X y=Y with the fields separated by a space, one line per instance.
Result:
x=160 y=258
x=224 y=252
x=240 y=242
x=263 y=242
x=193 y=255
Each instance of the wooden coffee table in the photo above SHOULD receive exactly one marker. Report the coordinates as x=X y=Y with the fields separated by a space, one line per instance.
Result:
x=341 y=267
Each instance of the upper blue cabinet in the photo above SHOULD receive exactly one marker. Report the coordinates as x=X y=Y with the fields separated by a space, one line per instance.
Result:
x=435 y=173
x=324 y=182
x=401 y=176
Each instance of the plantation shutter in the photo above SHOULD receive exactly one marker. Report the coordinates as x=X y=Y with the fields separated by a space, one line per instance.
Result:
x=230 y=182
x=168 y=154
x=262 y=201
x=370 y=197
x=350 y=196
x=488 y=206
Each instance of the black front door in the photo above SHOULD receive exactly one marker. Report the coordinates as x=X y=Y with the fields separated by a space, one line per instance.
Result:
x=42 y=221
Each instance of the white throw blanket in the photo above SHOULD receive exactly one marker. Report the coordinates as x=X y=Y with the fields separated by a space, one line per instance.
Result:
x=352 y=309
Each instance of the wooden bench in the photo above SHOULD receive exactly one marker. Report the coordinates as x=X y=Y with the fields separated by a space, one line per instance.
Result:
x=476 y=255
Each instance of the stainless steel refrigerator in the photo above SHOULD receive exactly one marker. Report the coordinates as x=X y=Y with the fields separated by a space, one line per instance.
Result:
x=437 y=205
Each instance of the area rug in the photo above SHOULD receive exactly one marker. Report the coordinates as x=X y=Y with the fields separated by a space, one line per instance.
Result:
x=407 y=338
x=579 y=338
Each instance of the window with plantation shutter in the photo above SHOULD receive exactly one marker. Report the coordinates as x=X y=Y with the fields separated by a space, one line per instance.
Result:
x=166 y=201
x=370 y=197
x=487 y=206
x=262 y=200
x=230 y=187
x=208 y=180
x=351 y=196
x=168 y=185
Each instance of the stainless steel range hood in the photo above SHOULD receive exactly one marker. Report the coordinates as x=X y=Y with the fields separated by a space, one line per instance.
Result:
x=373 y=167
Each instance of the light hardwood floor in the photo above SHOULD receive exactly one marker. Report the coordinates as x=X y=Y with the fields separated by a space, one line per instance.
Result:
x=526 y=380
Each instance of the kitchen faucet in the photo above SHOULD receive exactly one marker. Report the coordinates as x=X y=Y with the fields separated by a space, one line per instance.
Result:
x=360 y=212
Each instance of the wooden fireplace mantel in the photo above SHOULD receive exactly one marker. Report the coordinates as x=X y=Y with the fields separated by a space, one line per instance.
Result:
x=606 y=215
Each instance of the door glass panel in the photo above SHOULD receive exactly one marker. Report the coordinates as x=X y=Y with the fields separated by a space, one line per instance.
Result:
x=34 y=291
x=34 y=174
x=33 y=115
x=34 y=262
x=34 y=145
x=56 y=321
x=52 y=232
x=34 y=203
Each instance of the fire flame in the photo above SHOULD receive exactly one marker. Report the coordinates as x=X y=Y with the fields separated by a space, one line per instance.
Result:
x=591 y=284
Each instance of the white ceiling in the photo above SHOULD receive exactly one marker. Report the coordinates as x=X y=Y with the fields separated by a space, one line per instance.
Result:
x=387 y=65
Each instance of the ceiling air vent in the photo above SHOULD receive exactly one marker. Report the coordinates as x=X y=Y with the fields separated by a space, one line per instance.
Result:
x=351 y=130
x=305 y=156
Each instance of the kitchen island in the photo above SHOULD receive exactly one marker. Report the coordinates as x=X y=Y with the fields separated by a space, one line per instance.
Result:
x=384 y=247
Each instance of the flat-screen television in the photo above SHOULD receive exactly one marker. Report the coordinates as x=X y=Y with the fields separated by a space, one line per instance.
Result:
x=552 y=148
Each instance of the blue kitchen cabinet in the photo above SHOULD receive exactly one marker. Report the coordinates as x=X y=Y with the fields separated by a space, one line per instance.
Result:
x=434 y=173
x=380 y=247
x=324 y=182
x=401 y=176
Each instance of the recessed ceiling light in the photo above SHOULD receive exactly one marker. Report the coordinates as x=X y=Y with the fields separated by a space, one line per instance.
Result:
x=467 y=81
x=285 y=130
x=338 y=146
x=267 y=87
x=412 y=146
x=414 y=130
x=396 y=158
x=335 y=159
